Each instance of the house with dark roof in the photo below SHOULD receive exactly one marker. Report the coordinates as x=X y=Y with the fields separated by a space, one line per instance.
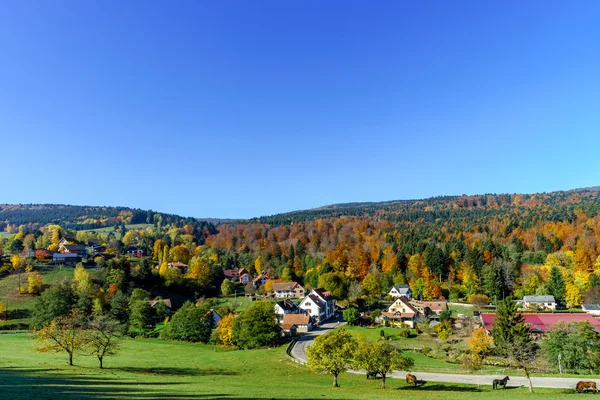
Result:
x=287 y=289
x=592 y=309
x=319 y=304
x=135 y=251
x=399 y=291
x=78 y=249
x=66 y=258
x=539 y=302
x=284 y=307
x=401 y=312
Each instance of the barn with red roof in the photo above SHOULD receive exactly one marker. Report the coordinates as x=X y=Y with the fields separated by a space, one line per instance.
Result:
x=543 y=322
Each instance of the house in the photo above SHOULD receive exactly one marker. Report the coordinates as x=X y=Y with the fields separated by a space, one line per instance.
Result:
x=134 y=251
x=592 y=309
x=401 y=312
x=288 y=330
x=166 y=302
x=66 y=258
x=178 y=267
x=288 y=289
x=431 y=309
x=284 y=307
x=544 y=322
x=539 y=302
x=78 y=249
x=319 y=304
x=260 y=279
x=234 y=274
x=301 y=321
x=400 y=290
x=245 y=278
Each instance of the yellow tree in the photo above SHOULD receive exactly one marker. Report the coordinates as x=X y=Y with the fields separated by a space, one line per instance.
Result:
x=573 y=296
x=258 y=265
x=164 y=265
x=83 y=281
x=35 y=282
x=64 y=334
x=480 y=342
x=158 y=249
x=225 y=329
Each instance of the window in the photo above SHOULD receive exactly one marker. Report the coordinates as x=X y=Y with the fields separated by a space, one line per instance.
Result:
x=307 y=304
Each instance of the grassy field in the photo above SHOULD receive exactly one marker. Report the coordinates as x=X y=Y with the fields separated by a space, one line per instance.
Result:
x=9 y=290
x=152 y=368
x=108 y=229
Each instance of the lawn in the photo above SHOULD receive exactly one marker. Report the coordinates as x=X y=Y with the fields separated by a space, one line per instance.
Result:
x=108 y=229
x=9 y=290
x=152 y=368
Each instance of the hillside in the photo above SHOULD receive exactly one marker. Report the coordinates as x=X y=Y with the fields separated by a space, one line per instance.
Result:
x=78 y=217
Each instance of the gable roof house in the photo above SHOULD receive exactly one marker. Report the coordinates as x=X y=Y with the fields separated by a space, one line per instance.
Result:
x=78 y=249
x=301 y=321
x=245 y=278
x=287 y=289
x=261 y=279
x=401 y=312
x=400 y=290
x=178 y=267
x=284 y=307
x=135 y=251
x=319 y=304
x=541 y=302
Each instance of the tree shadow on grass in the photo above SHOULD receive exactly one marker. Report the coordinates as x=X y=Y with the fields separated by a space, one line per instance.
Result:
x=439 y=387
x=174 y=371
x=40 y=383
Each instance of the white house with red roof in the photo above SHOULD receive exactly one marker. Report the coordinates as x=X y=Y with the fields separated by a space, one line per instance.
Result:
x=284 y=290
x=401 y=312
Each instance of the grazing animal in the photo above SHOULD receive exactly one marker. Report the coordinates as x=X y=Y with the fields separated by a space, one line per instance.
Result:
x=372 y=375
x=500 y=382
x=410 y=378
x=582 y=385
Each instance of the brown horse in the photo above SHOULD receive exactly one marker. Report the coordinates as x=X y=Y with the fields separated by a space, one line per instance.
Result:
x=410 y=378
x=582 y=385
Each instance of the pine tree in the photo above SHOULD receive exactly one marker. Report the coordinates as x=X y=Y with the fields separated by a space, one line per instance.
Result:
x=512 y=338
x=556 y=284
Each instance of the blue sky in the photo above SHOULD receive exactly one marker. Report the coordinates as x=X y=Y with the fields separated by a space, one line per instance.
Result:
x=242 y=109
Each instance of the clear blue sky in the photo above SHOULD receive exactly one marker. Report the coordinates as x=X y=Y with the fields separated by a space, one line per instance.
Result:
x=249 y=108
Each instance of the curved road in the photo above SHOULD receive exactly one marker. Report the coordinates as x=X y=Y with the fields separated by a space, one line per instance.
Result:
x=299 y=353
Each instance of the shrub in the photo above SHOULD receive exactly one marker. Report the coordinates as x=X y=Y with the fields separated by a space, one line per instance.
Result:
x=404 y=333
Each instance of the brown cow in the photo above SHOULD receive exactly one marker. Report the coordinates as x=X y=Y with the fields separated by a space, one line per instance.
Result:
x=582 y=385
x=410 y=378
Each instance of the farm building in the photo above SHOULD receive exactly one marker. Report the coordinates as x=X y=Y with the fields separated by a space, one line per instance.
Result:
x=543 y=322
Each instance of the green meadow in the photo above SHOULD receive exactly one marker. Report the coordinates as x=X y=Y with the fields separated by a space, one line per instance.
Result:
x=158 y=369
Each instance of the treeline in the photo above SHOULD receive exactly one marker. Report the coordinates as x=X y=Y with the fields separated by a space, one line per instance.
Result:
x=33 y=216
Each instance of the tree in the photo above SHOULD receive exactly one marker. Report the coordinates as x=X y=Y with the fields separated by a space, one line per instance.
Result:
x=258 y=265
x=480 y=343
x=512 y=338
x=371 y=284
x=190 y=323
x=225 y=329
x=577 y=344
x=256 y=326
x=140 y=315
x=332 y=353
x=335 y=283
x=380 y=357
x=119 y=307
x=35 y=282
x=355 y=292
x=351 y=315
x=573 y=296
x=556 y=284
x=65 y=333
x=54 y=302
x=164 y=264
x=101 y=338
x=227 y=287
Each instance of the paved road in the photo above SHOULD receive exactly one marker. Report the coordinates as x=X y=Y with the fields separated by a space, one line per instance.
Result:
x=299 y=353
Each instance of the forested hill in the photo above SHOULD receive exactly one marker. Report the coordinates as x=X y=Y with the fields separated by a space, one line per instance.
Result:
x=79 y=217
x=554 y=206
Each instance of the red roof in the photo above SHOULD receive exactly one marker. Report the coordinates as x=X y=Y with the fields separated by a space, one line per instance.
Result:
x=543 y=322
